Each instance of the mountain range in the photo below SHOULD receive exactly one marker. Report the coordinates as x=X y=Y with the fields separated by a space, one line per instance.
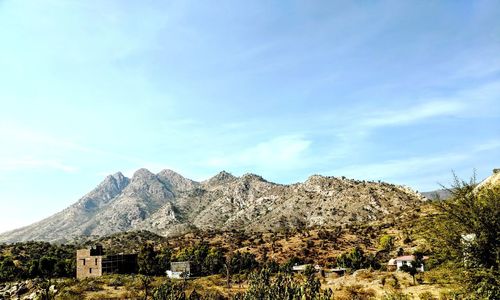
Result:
x=169 y=204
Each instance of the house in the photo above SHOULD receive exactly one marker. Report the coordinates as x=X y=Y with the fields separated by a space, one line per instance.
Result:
x=318 y=268
x=302 y=268
x=179 y=270
x=92 y=262
x=395 y=264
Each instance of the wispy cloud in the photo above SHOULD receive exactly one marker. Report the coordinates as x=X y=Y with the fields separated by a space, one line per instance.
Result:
x=407 y=169
x=282 y=152
x=413 y=114
x=393 y=168
x=487 y=146
x=39 y=147
x=14 y=164
x=467 y=102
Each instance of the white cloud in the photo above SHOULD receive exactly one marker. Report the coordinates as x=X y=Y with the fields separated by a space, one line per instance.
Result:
x=486 y=146
x=391 y=169
x=417 y=168
x=13 y=164
x=282 y=152
x=414 y=114
x=478 y=101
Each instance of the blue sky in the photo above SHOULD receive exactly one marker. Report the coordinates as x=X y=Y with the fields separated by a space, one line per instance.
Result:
x=399 y=91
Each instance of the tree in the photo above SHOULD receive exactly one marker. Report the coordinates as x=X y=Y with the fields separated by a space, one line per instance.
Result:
x=242 y=261
x=46 y=266
x=465 y=231
x=413 y=267
x=164 y=259
x=33 y=270
x=148 y=261
x=145 y=283
x=214 y=262
x=8 y=269
x=354 y=259
x=386 y=242
x=283 y=286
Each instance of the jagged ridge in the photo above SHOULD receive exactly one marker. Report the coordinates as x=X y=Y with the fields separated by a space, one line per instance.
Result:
x=168 y=204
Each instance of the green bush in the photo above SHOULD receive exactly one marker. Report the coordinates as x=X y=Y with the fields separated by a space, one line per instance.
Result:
x=283 y=286
x=386 y=242
x=474 y=212
x=396 y=295
x=426 y=296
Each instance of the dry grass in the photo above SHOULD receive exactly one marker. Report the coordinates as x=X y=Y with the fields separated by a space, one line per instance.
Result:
x=379 y=285
x=363 y=284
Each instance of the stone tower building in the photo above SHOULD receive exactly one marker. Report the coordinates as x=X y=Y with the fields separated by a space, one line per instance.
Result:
x=92 y=262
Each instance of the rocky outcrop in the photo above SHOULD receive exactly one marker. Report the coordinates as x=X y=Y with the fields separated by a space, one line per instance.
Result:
x=25 y=290
x=168 y=204
x=491 y=181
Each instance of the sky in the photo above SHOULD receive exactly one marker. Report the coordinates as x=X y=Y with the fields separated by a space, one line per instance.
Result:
x=400 y=91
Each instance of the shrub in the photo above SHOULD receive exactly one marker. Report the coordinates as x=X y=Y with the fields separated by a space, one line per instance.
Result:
x=465 y=231
x=426 y=296
x=396 y=295
x=116 y=281
x=358 y=292
x=283 y=286
x=386 y=242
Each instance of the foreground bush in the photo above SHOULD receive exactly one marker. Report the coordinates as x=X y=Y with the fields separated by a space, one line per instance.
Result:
x=283 y=286
x=465 y=233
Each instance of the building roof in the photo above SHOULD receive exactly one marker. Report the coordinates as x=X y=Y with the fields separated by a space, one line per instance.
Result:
x=405 y=258
x=393 y=261
x=303 y=267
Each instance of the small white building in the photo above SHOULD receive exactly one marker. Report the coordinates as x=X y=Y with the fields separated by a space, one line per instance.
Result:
x=179 y=270
x=405 y=260
x=302 y=268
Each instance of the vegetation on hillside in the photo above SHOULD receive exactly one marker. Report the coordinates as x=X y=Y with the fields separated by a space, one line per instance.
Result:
x=460 y=235
x=36 y=259
x=464 y=234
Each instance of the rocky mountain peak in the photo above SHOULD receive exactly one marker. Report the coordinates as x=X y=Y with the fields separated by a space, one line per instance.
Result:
x=118 y=176
x=222 y=177
x=170 y=174
x=253 y=177
x=175 y=181
x=315 y=177
x=168 y=203
x=118 y=180
x=318 y=180
x=110 y=186
x=143 y=174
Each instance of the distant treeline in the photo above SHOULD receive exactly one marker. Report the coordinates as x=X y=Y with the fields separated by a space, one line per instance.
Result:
x=36 y=259
x=41 y=259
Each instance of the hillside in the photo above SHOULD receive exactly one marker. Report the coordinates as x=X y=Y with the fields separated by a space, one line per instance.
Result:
x=274 y=249
x=441 y=194
x=169 y=204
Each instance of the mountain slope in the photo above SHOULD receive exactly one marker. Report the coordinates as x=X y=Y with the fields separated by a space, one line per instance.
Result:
x=168 y=204
x=71 y=220
x=441 y=194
